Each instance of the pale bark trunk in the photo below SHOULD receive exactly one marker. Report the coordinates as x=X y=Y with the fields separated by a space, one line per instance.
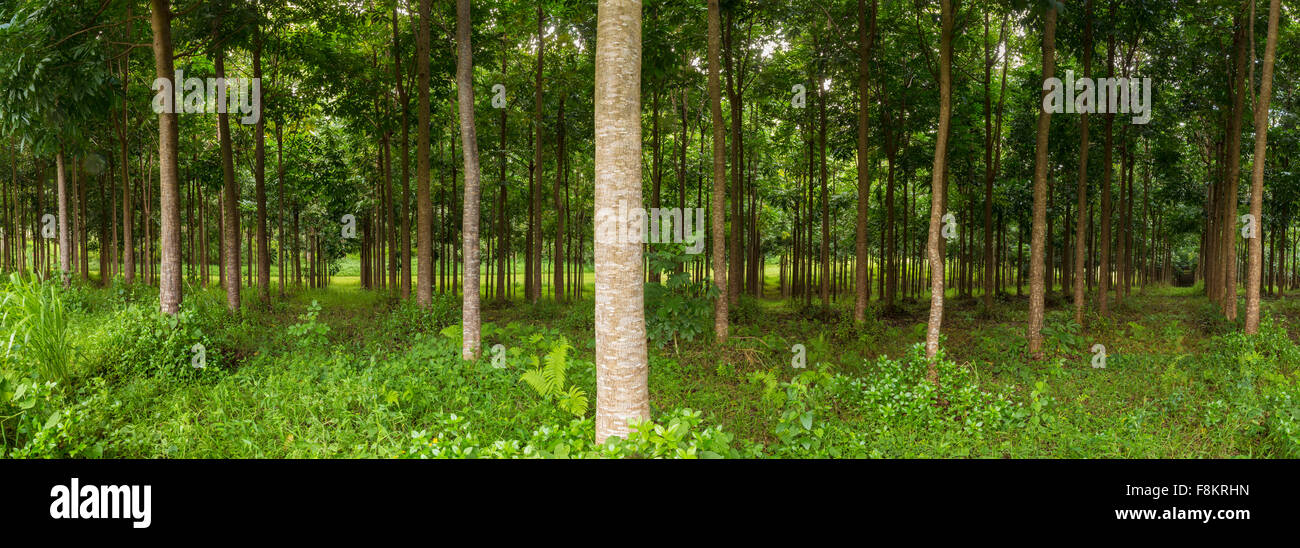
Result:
x=65 y=240
x=469 y=147
x=622 y=395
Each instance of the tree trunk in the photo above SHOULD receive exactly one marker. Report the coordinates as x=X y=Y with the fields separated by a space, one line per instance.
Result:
x=622 y=395
x=404 y=150
x=1257 y=171
x=229 y=203
x=469 y=146
x=259 y=181
x=718 y=207
x=535 y=197
x=1233 y=171
x=1038 y=238
x=169 y=292
x=934 y=246
x=424 y=207
x=1081 y=222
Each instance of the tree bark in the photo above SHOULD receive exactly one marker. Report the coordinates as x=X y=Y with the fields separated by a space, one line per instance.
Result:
x=934 y=246
x=718 y=206
x=622 y=395
x=1081 y=222
x=1038 y=238
x=469 y=147
x=1257 y=171
x=169 y=291
x=229 y=203
x=424 y=207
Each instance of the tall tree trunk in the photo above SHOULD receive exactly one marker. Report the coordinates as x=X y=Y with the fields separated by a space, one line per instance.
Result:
x=229 y=203
x=1080 y=225
x=404 y=150
x=169 y=291
x=825 y=199
x=259 y=180
x=934 y=246
x=1038 y=238
x=535 y=198
x=622 y=395
x=279 y=170
x=718 y=206
x=128 y=215
x=1103 y=275
x=560 y=169
x=424 y=207
x=1233 y=170
x=735 y=268
x=1257 y=171
x=469 y=146
x=65 y=239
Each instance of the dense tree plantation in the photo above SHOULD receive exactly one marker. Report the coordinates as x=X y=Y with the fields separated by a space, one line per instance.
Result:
x=670 y=228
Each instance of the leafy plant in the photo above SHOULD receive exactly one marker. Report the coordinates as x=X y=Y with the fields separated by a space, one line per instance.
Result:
x=38 y=329
x=308 y=332
x=549 y=380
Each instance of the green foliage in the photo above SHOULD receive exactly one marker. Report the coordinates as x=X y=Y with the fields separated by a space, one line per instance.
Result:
x=679 y=436
x=309 y=333
x=678 y=310
x=549 y=380
x=146 y=343
x=408 y=318
x=36 y=326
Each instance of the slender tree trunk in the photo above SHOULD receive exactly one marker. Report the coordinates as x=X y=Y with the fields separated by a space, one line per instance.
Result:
x=404 y=150
x=719 y=200
x=424 y=207
x=169 y=293
x=469 y=146
x=1038 y=240
x=229 y=203
x=560 y=212
x=535 y=197
x=1257 y=171
x=1233 y=170
x=259 y=181
x=65 y=239
x=1080 y=225
x=279 y=170
x=934 y=246
x=1104 y=281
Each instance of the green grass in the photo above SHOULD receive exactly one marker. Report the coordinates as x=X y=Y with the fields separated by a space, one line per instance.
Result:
x=387 y=382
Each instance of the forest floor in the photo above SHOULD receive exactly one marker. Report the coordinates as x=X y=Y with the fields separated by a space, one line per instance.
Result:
x=344 y=372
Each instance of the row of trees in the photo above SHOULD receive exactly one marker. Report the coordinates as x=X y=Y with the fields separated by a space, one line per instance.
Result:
x=782 y=122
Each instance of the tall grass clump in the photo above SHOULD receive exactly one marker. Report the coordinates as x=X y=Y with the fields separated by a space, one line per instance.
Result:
x=34 y=319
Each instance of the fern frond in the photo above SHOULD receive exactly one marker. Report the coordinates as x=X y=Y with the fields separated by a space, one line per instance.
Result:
x=534 y=379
